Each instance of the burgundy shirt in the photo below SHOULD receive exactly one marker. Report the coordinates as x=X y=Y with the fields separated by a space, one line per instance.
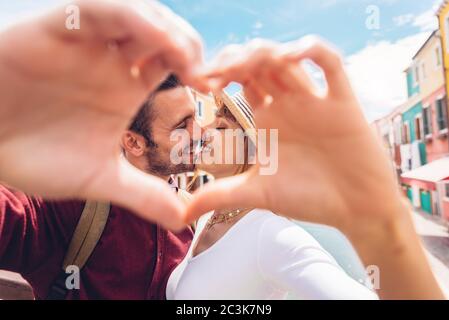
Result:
x=132 y=260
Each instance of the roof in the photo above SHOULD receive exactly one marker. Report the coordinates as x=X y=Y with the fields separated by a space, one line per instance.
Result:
x=425 y=43
x=442 y=6
x=433 y=172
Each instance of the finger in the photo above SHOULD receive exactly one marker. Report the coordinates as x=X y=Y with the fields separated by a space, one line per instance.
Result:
x=184 y=52
x=276 y=77
x=229 y=193
x=325 y=56
x=238 y=63
x=148 y=31
x=147 y=196
x=256 y=97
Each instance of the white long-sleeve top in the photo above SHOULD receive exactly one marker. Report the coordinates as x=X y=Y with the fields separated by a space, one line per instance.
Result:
x=262 y=256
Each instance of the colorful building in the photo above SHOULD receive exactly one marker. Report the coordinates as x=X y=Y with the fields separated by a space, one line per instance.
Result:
x=425 y=128
x=443 y=19
x=428 y=187
x=416 y=133
x=432 y=88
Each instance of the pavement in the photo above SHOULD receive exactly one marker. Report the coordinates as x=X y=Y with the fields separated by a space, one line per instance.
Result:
x=435 y=237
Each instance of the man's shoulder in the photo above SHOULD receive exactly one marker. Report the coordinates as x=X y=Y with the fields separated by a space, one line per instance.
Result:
x=55 y=209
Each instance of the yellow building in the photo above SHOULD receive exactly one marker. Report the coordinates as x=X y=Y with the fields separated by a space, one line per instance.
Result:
x=205 y=108
x=443 y=19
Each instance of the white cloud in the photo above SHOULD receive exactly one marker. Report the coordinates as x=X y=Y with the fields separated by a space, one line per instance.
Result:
x=403 y=19
x=258 y=25
x=377 y=73
x=427 y=21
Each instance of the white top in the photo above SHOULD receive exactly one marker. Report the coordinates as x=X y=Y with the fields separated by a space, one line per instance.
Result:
x=262 y=256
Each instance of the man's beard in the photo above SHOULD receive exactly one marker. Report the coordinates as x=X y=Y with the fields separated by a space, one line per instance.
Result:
x=163 y=167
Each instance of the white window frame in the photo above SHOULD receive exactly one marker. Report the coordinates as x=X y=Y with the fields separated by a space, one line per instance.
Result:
x=408 y=136
x=427 y=108
x=415 y=74
x=200 y=109
x=445 y=130
x=421 y=127
x=445 y=184
x=423 y=70
x=438 y=56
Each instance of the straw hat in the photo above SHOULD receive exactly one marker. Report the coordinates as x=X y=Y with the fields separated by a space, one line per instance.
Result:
x=240 y=109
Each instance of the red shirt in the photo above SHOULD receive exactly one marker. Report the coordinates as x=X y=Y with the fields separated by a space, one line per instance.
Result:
x=132 y=260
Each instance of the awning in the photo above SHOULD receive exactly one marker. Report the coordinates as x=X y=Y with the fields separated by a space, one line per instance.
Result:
x=433 y=172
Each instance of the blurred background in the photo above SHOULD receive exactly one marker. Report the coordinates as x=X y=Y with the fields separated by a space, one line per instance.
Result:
x=397 y=56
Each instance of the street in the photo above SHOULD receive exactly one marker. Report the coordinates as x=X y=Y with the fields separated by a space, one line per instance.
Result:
x=435 y=237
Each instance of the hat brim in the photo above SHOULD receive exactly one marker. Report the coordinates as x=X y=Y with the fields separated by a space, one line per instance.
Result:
x=241 y=111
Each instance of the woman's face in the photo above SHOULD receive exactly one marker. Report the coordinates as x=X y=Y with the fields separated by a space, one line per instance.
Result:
x=221 y=149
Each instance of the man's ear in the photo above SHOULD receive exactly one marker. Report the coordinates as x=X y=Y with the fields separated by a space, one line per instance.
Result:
x=133 y=143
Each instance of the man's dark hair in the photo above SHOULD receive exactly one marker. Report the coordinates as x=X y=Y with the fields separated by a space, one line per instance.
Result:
x=141 y=121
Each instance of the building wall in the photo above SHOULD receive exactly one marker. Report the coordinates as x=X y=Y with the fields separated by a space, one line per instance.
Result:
x=443 y=200
x=409 y=116
x=412 y=85
x=437 y=146
x=443 y=16
x=430 y=63
x=209 y=108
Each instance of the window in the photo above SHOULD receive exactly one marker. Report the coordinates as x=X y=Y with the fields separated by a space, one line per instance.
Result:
x=416 y=73
x=397 y=131
x=441 y=113
x=418 y=127
x=427 y=121
x=446 y=190
x=438 y=55
x=406 y=133
x=199 y=110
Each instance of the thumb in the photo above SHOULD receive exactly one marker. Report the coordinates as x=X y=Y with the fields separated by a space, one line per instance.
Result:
x=147 y=196
x=242 y=191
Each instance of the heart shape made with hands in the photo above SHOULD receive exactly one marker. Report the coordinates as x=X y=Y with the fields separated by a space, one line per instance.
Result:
x=59 y=140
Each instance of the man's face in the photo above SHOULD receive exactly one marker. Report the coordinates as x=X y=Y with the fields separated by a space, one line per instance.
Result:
x=171 y=109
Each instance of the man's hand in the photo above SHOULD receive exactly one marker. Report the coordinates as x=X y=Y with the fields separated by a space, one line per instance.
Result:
x=68 y=95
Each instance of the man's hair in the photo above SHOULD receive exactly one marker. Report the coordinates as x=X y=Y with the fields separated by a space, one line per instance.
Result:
x=141 y=122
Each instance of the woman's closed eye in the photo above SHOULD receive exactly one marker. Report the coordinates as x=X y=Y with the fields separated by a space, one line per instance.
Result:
x=182 y=125
x=222 y=125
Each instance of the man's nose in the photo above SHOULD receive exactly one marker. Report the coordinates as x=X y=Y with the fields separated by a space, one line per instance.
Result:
x=201 y=126
x=212 y=125
x=197 y=131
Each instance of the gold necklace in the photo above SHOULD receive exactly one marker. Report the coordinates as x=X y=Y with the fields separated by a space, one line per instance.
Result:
x=223 y=217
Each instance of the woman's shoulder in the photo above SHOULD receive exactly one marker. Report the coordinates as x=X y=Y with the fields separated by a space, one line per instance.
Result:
x=282 y=231
x=272 y=221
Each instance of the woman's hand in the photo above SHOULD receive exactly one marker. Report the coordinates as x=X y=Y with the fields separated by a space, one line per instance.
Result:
x=332 y=169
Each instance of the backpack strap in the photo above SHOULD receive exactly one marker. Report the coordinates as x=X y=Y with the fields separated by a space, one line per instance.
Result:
x=87 y=233
x=86 y=236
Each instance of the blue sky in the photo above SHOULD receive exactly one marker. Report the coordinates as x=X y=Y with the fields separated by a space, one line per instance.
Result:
x=375 y=58
x=341 y=21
